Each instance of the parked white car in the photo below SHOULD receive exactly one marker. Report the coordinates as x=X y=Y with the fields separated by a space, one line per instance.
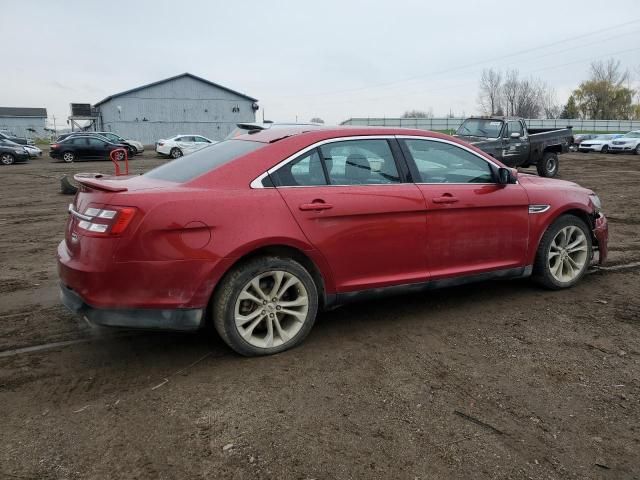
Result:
x=182 y=145
x=601 y=143
x=33 y=151
x=629 y=142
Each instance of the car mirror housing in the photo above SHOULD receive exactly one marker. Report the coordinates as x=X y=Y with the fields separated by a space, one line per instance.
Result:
x=515 y=135
x=507 y=176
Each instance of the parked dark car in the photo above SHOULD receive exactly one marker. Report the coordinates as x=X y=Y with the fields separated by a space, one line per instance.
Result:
x=509 y=140
x=134 y=147
x=14 y=139
x=11 y=152
x=84 y=147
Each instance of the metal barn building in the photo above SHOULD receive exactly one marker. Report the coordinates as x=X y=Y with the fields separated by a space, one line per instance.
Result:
x=178 y=105
x=24 y=122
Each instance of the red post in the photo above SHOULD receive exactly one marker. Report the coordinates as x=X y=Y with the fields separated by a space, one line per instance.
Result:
x=119 y=154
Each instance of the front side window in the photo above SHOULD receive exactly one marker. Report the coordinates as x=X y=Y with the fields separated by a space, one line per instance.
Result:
x=439 y=162
x=305 y=170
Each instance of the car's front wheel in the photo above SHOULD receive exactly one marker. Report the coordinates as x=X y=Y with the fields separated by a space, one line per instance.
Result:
x=265 y=306
x=7 y=159
x=564 y=253
x=175 y=152
x=548 y=166
x=605 y=149
x=637 y=150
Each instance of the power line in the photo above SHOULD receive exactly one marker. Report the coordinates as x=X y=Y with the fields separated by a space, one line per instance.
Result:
x=462 y=67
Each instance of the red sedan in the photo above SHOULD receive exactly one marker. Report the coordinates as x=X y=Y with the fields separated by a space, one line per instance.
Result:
x=258 y=233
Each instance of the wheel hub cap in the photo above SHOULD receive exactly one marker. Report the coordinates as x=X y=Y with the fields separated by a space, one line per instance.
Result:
x=271 y=309
x=568 y=254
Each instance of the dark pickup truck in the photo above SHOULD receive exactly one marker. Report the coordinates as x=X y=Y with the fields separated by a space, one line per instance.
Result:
x=510 y=141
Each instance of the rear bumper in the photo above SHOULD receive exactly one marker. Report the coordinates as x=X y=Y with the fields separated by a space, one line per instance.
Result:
x=601 y=232
x=184 y=319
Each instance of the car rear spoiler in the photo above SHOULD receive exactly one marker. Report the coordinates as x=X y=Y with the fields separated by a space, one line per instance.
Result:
x=95 y=180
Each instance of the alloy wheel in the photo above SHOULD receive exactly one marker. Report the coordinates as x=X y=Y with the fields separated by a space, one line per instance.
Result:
x=68 y=157
x=7 y=159
x=568 y=254
x=271 y=309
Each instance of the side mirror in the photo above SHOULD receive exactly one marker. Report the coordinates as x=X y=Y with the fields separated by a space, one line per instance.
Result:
x=515 y=135
x=507 y=176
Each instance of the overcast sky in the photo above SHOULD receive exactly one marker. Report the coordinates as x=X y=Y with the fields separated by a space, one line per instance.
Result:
x=332 y=59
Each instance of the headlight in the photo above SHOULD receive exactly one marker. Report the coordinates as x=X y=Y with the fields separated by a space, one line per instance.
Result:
x=595 y=200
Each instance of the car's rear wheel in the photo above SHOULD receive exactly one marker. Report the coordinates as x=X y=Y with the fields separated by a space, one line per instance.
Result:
x=548 y=166
x=175 y=152
x=605 y=149
x=564 y=253
x=68 y=157
x=7 y=159
x=265 y=306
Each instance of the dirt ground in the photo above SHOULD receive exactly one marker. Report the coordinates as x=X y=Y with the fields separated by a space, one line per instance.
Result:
x=493 y=380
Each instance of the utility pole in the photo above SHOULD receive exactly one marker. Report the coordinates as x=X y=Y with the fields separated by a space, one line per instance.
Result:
x=55 y=130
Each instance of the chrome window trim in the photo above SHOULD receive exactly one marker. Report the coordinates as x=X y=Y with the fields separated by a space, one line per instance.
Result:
x=257 y=182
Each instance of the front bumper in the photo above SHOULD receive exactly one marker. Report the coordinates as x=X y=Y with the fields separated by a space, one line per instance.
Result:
x=621 y=148
x=601 y=233
x=590 y=148
x=183 y=319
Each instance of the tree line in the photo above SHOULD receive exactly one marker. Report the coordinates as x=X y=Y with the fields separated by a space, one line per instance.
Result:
x=605 y=95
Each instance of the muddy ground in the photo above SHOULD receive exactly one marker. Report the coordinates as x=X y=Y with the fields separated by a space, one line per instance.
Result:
x=494 y=380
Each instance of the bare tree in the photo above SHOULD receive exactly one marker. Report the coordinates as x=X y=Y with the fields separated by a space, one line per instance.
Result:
x=550 y=105
x=510 y=92
x=316 y=120
x=610 y=72
x=418 y=114
x=490 y=91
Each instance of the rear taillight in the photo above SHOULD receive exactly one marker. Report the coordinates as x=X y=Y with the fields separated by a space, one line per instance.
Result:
x=55 y=145
x=104 y=221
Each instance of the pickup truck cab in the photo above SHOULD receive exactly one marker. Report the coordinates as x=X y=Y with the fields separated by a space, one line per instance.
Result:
x=509 y=140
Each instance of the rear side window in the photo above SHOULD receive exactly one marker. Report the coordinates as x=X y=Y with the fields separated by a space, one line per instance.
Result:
x=306 y=170
x=191 y=166
x=360 y=162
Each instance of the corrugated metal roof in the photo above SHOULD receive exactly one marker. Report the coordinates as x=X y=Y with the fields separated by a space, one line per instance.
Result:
x=174 y=78
x=23 y=112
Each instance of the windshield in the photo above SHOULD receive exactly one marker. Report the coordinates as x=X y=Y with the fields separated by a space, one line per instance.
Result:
x=632 y=135
x=191 y=166
x=605 y=137
x=480 y=127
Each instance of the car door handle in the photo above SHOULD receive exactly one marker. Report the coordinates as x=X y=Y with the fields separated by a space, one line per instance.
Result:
x=315 y=206
x=445 y=199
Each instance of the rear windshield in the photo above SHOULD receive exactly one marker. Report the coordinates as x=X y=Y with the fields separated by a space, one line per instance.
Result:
x=191 y=166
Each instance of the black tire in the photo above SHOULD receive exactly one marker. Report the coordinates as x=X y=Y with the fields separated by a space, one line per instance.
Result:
x=605 y=149
x=231 y=286
x=541 y=269
x=637 y=150
x=68 y=157
x=131 y=151
x=175 y=153
x=7 y=158
x=548 y=166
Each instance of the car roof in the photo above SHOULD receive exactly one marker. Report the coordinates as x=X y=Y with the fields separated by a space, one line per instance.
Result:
x=272 y=135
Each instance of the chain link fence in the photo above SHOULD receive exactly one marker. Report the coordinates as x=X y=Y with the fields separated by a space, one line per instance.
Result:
x=451 y=124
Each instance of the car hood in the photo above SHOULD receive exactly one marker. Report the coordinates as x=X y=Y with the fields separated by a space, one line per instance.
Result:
x=475 y=140
x=527 y=179
x=597 y=142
